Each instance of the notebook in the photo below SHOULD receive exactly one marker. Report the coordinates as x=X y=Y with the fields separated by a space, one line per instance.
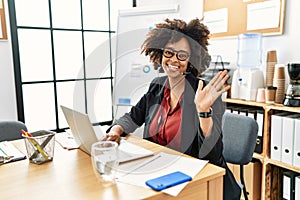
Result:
x=8 y=149
x=85 y=135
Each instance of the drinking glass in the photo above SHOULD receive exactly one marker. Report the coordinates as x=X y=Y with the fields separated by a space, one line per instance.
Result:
x=104 y=160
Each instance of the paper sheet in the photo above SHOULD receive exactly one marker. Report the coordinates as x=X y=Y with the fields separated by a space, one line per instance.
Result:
x=66 y=140
x=217 y=20
x=263 y=15
x=8 y=149
x=158 y=165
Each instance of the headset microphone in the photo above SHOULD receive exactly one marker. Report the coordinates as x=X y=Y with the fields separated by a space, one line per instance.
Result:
x=185 y=73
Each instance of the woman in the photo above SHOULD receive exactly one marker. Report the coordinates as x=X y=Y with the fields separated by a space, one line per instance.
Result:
x=179 y=110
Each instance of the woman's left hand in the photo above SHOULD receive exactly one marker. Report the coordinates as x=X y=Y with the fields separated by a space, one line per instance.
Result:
x=205 y=97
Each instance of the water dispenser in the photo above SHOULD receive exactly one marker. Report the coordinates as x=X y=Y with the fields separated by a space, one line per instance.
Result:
x=247 y=78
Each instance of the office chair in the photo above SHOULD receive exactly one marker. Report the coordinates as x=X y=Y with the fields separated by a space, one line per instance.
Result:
x=11 y=130
x=239 y=140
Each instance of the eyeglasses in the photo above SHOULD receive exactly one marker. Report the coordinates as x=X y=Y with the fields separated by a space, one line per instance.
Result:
x=180 y=55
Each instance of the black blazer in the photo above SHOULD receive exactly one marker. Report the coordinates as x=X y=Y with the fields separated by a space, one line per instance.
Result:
x=192 y=141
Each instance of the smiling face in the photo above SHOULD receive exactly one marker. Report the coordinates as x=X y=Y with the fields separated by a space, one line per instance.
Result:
x=176 y=57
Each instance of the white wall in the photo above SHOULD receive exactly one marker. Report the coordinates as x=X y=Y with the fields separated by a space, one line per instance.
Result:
x=287 y=46
x=8 y=108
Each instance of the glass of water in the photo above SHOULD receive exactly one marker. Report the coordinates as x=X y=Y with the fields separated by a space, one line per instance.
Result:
x=104 y=160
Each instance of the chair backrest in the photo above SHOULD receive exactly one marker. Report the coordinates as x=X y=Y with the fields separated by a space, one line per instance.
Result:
x=11 y=130
x=239 y=138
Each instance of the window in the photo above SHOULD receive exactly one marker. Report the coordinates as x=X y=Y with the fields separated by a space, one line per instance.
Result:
x=62 y=56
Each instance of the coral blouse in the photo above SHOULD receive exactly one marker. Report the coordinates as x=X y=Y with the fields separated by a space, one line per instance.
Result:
x=165 y=128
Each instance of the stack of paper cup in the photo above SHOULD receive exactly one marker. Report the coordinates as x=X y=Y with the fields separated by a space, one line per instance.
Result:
x=271 y=62
x=279 y=82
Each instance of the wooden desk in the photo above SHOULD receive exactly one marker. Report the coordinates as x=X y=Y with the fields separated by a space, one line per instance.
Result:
x=70 y=176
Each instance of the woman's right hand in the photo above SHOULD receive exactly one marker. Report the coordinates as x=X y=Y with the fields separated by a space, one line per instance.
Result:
x=114 y=134
x=206 y=96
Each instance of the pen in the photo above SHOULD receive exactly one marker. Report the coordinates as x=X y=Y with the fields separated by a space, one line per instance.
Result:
x=142 y=164
x=26 y=133
x=37 y=146
x=3 y=151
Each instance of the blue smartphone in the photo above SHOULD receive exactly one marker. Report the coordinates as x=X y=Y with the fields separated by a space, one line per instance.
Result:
x=168 y=180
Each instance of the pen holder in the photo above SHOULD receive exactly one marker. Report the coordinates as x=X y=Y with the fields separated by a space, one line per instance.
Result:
x=40 y=146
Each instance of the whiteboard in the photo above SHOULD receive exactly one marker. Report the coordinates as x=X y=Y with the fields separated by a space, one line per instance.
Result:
x=133 y=71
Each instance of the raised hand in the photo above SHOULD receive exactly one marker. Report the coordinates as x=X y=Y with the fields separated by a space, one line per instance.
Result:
x=205 y=97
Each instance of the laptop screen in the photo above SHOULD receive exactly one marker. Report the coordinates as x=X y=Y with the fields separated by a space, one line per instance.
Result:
x=84 y=134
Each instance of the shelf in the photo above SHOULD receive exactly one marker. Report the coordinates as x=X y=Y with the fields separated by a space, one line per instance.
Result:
x=259 y=157
x=284 y=108
x=269 y=181
x=267 y=160
x=281 y=164
x=275 y=106
x=244 y=102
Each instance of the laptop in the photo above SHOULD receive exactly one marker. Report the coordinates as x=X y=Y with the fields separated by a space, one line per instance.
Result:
x=84 y=134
